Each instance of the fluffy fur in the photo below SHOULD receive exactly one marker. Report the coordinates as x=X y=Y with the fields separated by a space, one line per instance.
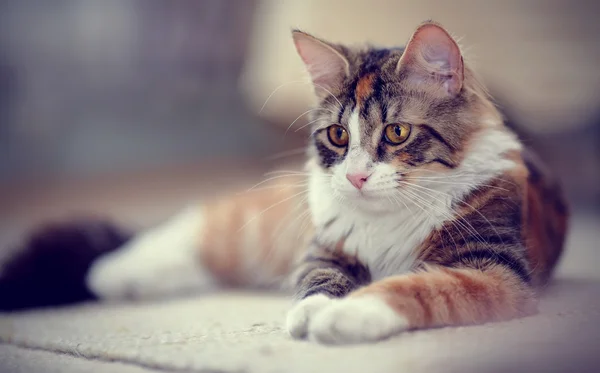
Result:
x=453 y=223
x=51 y=265
x=141 y=268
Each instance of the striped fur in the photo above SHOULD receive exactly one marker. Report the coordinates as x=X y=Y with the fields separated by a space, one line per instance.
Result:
x=457 y=224
x=488 y=222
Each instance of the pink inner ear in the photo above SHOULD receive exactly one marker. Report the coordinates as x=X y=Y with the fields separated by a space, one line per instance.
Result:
x=438 y=56
x=432 y=50
x=326 y=66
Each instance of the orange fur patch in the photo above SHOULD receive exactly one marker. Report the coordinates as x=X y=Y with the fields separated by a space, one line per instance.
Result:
x=443 y=296
x=255 y=237
x=364 y=88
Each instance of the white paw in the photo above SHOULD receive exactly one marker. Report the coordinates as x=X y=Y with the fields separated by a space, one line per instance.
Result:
x=355 y=320
x=158 y=262
x=300 y=315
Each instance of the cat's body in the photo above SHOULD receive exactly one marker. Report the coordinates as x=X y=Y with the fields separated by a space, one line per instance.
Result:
x=417 y=207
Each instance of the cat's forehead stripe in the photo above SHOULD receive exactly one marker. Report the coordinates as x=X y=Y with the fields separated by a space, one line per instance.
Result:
x=364 y=88
x=364 y=91
x=354 y=128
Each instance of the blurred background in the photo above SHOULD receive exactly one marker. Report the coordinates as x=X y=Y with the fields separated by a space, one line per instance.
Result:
x=131 y=108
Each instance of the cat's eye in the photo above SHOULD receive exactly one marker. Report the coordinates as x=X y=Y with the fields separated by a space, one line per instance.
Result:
x=397 y=133
x=338 y=135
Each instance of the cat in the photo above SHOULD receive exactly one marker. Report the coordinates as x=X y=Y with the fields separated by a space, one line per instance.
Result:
x=417 y=208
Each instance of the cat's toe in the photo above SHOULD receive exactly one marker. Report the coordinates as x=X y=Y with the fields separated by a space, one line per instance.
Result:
x=299 y=317
x=356 y=320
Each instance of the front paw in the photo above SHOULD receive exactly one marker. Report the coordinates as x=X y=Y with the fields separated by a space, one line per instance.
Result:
x=355 y=320
x=299 y=317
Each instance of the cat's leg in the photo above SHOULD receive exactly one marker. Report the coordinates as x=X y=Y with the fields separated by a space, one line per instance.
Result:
x=246 y=239
x=159 y=261
x=321 y=278
x=437 y=296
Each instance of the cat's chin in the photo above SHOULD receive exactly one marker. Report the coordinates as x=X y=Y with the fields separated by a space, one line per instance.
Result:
x=370 y=203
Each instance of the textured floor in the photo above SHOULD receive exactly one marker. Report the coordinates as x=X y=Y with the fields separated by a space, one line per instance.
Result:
x=243 y=332
x=235 y=332
x=20 y=360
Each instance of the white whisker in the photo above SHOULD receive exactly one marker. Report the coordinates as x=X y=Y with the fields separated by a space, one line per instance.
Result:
x=458 y=183
x=303 y=114
x=289 y=172
x=304 y=224
x=269 y=208
x=448 y=216
x=278 y=186
x=286 y=153
x=468 y=205
x=273 y=178
x=332 y=95
x=318 y=128
x=279 y=231
x=277 y=89
x=306 y=125
x=461 y=221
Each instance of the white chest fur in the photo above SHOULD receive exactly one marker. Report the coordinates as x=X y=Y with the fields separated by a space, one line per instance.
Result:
x=386 y=241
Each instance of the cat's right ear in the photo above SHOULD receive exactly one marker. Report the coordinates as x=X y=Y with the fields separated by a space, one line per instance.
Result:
x=432 y=57
x=326 y=65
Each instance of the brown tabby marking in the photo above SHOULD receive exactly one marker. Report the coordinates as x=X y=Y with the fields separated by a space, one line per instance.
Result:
x=330 y=272
x=487 y=230
x=485 y=276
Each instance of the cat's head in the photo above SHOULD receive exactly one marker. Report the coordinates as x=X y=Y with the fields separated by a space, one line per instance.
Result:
x=389 y=117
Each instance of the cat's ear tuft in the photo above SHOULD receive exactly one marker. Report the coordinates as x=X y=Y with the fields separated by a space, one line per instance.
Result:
x=325 y=64
x=432 y=56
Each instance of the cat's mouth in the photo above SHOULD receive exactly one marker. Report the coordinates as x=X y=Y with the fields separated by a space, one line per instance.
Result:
x=374 y=193
x=370 y=200
x=373 y=204
x=366 y=195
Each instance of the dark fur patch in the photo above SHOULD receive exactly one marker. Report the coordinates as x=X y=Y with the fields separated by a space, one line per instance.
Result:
x=49 y=269
x=445 y=162
x=327 y=281
x=330 y=273
x=547 y=216
x=327 y=156
x=436 y=135
x=416 y=150
x=488 y=232
x=482 y=259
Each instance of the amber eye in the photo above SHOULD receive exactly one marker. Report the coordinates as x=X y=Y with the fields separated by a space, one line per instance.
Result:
x=337 y=135
x=397 y=133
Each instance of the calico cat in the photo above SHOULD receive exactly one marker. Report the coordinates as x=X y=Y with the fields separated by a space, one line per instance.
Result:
x=417 y=208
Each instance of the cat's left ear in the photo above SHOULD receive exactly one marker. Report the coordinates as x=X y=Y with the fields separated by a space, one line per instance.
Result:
x=432 y=56
x=326 y=65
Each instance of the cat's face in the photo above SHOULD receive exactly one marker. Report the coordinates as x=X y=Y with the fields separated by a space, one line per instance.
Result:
x=389 y=119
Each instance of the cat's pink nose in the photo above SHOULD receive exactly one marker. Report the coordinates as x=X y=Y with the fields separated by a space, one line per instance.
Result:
x=358 y=179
